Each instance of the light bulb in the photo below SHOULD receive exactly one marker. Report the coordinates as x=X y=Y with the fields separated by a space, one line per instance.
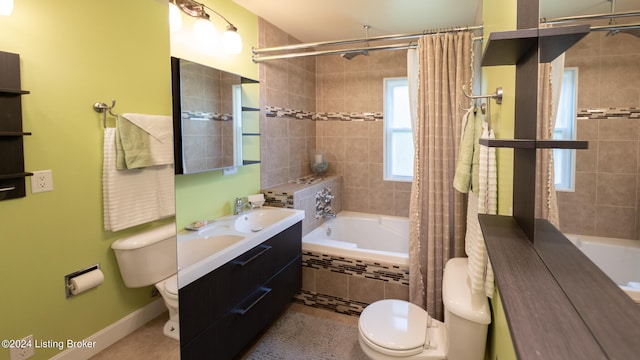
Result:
x=231 y=40
x=6 y=7
x=204 y=31
x=175 y=17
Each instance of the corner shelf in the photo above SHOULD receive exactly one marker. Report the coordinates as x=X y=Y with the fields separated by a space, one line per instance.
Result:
x=12 y=174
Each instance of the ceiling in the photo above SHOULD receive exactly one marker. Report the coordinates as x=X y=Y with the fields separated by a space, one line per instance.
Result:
x=324 y=20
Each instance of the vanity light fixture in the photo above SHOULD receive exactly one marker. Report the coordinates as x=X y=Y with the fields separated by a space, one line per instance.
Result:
x=204 y=29
x=175 y=17
x=6 y=7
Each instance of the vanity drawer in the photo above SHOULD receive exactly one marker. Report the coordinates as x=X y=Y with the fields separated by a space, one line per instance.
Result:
x=207 y=299
x=239 y=326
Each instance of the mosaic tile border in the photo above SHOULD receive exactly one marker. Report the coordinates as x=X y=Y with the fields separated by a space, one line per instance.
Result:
x=273 y=111
x=328 y=302
x=205 y=116
x=278 y=199
x=610 y=113
x=360 y=268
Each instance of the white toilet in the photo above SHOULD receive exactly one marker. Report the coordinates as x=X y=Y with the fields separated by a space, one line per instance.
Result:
x=397 y=329
x=150 y=258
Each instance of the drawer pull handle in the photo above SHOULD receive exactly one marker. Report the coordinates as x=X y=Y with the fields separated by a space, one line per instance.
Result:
x=264 y=291
x=8 y=188
x=265 y=248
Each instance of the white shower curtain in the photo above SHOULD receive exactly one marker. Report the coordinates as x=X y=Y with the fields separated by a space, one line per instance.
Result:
x=437 y=212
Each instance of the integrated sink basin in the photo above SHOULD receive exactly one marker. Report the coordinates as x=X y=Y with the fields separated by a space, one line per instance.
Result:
x=257 y=220
x=220 y=241
x=190 y=252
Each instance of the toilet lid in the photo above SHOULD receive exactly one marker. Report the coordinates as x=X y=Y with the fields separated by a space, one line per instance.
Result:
x=395 y=325
x=171 y=285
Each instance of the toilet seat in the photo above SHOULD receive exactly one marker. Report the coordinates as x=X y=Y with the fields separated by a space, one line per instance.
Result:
x=394 y=327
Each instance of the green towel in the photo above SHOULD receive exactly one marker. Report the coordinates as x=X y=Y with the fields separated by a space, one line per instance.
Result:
x=133 y=149
x=466 y=154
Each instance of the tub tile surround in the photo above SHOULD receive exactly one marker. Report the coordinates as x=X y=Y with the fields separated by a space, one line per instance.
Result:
x=606 y=200
x=303 y=196
x=332 y=104
x=348 y=285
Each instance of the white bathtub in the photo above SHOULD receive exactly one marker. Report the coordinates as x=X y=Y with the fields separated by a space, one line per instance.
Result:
x=362 y=236
x=618 y=258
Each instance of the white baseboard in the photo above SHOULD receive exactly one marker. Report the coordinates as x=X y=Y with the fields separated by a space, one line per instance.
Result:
x=114 y=332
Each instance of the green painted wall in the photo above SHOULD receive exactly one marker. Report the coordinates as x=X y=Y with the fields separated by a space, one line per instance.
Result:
x=211 y=195
x=499 y=15
x=74 y=53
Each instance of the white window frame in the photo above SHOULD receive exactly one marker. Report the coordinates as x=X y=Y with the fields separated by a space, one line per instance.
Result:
x=389 y=85
x=565 y=159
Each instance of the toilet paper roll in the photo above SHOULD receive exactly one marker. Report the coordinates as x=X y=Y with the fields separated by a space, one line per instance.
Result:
x=85 y=281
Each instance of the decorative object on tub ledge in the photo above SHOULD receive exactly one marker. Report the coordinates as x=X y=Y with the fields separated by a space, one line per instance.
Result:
x=137 y=196
x=319 y=163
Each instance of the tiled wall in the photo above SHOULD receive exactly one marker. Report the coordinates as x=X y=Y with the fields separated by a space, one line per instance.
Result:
x=286 y=141
x=606 y=201
x=303 y=196
x=334 y=104
x=207 y=117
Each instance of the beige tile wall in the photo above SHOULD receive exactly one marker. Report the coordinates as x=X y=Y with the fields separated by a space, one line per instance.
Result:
x=327 y=84
x=285 y=142
x=606 y=201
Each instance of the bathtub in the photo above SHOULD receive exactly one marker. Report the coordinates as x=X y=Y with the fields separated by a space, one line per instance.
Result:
x=362 y=236
x=618 y=258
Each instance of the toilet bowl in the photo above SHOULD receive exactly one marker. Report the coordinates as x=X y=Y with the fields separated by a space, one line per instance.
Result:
x=168 y=289
x=149 y=258
x=397 y=329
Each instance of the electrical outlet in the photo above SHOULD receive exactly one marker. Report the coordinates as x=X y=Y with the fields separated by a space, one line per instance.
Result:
x=42 y=181
x=24 y=349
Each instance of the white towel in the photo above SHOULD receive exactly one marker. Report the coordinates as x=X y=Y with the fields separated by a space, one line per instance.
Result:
x=160 y=130
x=133 y=197
x=479 y=267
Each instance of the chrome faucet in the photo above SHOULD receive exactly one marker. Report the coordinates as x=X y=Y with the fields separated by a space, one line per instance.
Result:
x=323 y=204
x=241 y=203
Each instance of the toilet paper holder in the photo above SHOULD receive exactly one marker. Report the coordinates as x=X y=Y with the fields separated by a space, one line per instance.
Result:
x=68 y=286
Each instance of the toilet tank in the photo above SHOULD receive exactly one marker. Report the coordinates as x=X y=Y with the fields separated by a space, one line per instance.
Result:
x=467 y=315
x=147 y=257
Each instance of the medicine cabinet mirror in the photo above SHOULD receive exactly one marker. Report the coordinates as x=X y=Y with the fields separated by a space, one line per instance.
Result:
x=212 y=110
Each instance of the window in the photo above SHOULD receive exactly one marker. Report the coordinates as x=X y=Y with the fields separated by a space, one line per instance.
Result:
x=564 y=159
x=398 y=139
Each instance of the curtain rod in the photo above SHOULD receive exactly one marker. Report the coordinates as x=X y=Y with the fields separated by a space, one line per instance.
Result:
x=257 y=58
x=589 y=17
x=361 y=40
x=615 y=27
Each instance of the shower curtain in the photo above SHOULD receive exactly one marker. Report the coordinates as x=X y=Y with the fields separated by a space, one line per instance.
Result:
x=437 y=213
x=549 y=85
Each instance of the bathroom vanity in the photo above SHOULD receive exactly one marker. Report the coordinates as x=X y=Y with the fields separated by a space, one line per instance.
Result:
x=223 y=311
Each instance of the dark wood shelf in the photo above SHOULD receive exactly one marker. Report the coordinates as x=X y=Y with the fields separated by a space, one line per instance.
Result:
x=246 y=108
x=250 y=162
x=14 y=133
x=250 y=134
x=15 y=176
x=13 y=92
x=510 y=47
x=535 y=144
x=600 y=317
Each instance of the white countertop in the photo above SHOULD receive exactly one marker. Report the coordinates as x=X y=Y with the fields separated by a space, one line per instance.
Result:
x=191 y=268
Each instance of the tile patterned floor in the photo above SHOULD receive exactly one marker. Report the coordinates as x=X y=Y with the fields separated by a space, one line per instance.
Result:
x=148 y=342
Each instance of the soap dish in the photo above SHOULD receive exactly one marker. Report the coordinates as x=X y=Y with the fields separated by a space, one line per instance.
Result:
x=197 y=225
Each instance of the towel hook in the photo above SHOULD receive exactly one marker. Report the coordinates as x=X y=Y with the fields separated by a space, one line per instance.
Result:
x=102 y=108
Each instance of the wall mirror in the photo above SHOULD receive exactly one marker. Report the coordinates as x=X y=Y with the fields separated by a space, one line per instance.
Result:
x=209 y=106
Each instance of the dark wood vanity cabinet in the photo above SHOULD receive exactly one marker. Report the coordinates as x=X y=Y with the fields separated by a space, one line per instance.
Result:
x=12 y=174
x=223 y=312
